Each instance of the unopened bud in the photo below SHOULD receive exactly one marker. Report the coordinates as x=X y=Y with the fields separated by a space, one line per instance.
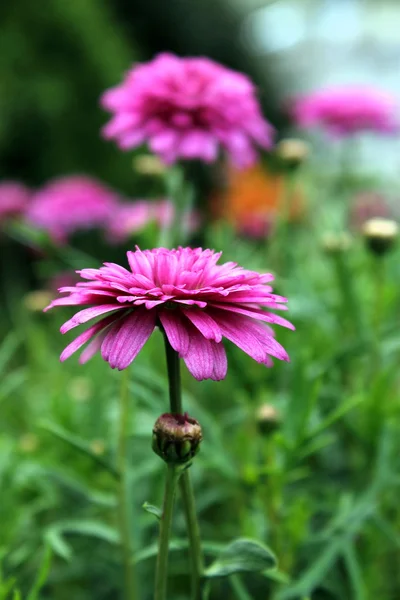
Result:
x=176 y=438
x=147 y=164
x=292 y=152
x=336 y=243
x=268 y=418
x=380 y=234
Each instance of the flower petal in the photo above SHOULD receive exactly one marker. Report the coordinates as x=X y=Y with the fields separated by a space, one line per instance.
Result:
x=130 y=337
x=257 y=313
x=199 y=359
x=176 y=329
x=87 y=314
x=220 y=362
x=205 y=324
x=84 y=337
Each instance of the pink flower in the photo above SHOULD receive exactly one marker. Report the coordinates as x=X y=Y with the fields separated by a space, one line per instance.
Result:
x=183 y=291
x=186 y=108
x=14 y=199
x=68 y=204
x=345 y=111
x=131 y=217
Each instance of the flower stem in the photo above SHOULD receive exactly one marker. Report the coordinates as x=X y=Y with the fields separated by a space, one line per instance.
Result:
x=165 y=530
x=123 y=512
x=174 y=378
x=196 y=557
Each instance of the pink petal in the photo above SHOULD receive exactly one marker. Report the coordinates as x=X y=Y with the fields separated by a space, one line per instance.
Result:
x=177 y=331
x=205 y=324
x=259 y=314
x=253 y=338
x=130 y=338
x=93 y=347
x=87 y=314
x=84 y=337
x=200 y=357
x=220 y=362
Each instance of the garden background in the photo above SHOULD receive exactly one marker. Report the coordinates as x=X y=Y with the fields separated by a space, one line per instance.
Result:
x=302 y=457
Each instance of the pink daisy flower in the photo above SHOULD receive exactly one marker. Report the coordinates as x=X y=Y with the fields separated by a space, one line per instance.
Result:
x=185 y=292
x=14 y=199
x=345 y=111
x=187 y=108
x=68 y=204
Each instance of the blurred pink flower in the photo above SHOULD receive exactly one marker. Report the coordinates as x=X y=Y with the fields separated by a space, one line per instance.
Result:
x=14 y=199
x=131 y=217
x=345 y=111
x=186 y=108
x=68 y=204
x=183 y=291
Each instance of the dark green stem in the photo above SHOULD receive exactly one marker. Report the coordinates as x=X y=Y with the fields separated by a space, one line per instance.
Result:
x=123 y=509
x=174 y=378
x=196 y=555
x=160 y=592
x=196 y=558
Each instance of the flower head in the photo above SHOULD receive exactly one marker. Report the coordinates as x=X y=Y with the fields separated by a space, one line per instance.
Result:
x=14 y=199
x=68 y=204
x=185 y=292
x=345 y=111
x=186 y=108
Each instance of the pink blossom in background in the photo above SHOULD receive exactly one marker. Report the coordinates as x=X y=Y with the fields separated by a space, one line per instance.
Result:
x=14 y=199
x=345 y=111
x=184 y=291
x=131 y=217
x=69 y=204
x=187 y=108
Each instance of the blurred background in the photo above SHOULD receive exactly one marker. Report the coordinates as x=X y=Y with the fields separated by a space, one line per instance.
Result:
x=315 y=475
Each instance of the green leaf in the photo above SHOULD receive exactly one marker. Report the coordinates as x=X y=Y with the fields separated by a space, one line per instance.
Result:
x=242 y=556
x=153 y=510
x=96 y=529
x=79 y=444
x=42 y=575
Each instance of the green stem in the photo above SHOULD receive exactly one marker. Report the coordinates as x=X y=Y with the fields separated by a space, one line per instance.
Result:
x=123 y=510
x=279 y=246
x=196 y=557
x=160 y=592
x=174 y=378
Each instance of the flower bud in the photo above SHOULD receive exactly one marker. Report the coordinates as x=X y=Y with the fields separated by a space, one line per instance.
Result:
x=176 y=438
x=380 y=234
x=268 y=419
x=292 y=152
